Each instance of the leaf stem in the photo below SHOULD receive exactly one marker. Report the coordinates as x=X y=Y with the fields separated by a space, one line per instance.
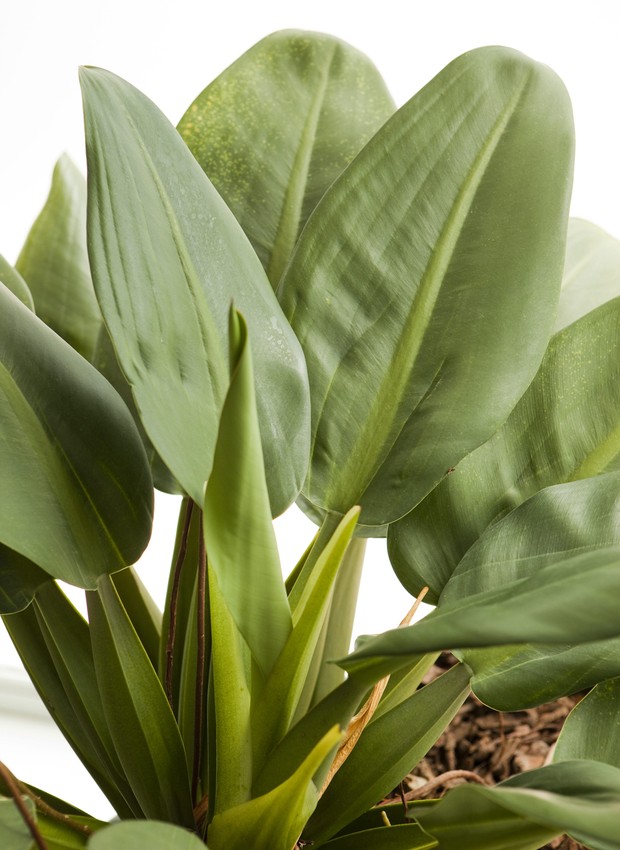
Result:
x=174 y=602
x=13 y=787
x=200 y=660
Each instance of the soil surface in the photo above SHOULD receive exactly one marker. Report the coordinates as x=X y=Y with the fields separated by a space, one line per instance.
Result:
x=486 y=746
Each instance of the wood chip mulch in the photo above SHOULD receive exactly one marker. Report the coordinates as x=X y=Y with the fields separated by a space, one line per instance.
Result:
x=486 y=746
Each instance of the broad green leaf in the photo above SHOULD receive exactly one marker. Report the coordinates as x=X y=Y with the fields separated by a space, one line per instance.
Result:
x=592 y=729
x=54 y=262
x=591 y=271
x=30 y=637
x=14 y=833
x=19 y=581
x=578 y=797
x=275 y=707
x=12 y=279
x=558 y=521
x=75 y=489
x=565 y=428
x=239 y=535
x=396 y=837
x=136 y=835
x=141 y=723
x=270 y=170
x=437 y=234
x=167 y=259
x=531 y=609
x=389 y=747
x=273 y=821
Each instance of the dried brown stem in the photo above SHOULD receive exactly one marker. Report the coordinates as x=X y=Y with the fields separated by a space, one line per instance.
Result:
x=13 y=787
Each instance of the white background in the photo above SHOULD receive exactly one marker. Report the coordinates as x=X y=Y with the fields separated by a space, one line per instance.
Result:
x=171 y=50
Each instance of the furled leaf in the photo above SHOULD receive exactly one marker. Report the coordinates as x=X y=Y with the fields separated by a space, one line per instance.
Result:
x=239 y=536
x=565 y=428
x=592 y=729
x=591 y=271
x=167 y=259
x=531 y=609
x=75 y=489
x=272 y=172
x=54 y=262
x=437 y=234
x=19 y=581
x=12 y=279
x=273 y=821
x=141 y=723
x=136 y=835
x=387 y=750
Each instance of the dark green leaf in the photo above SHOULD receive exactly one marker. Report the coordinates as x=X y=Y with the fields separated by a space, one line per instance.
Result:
x=272 y=171
x=19 y=581
x=141 y=723
x=75 y=489
x=165 y=281
x=565 y=428
x=389 y=747
x=437 y=234
x=397 y=837
x=54 y=262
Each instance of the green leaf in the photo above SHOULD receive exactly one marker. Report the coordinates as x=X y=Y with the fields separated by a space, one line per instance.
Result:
x=396 y=837
x=141 y=723
x=559 y=521
x=239 y=536
x=54 y=262
x=565 y=428
x=389 y=747
x=165 y=282
x=592 y=729
x=437 y=234
x=19 y=581
x=75 y=488
x=14 y=834
x=273 y=821
x=272 y=172
x=136 y=835
x=591 y=271
x=12 y=279
x=529 y=610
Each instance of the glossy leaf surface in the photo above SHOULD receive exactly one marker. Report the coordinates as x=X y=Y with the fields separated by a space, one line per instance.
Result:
x=531 y=609
x=135 y=835
x=165 y=280
x=387 y=750
x=239 y=536
x=141 y=723
x=565 y=428
x=75 y=489
x=54 y=262
x=396 y=288
x=591 y=271
x=272 y=172
x=592 y=729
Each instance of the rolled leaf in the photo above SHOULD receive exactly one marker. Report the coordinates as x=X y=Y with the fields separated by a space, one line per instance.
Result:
x=75 y=489
x=167 y=258
x=565 y=428
x=437 y=234
x=272 y=172
x=54 y=262
x=591 y=271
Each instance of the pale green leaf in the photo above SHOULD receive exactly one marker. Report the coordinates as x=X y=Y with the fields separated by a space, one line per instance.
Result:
x=54 y=262
x=136 y=835
x=437 y=234
x=14 y=833
x=592 y=729
x=12 y=279
x=167 y=259
x=75 y=489
x=273 y=171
